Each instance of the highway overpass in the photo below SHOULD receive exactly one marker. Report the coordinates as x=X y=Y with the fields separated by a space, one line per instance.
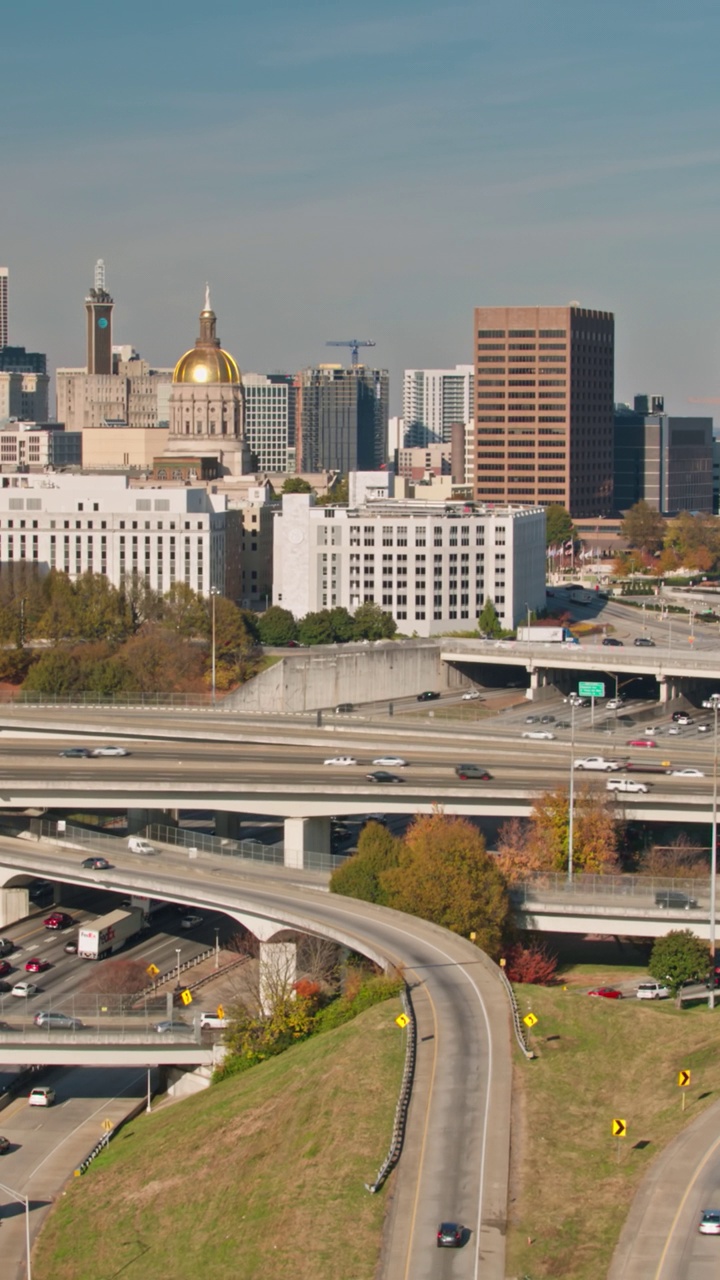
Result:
x=617 y=906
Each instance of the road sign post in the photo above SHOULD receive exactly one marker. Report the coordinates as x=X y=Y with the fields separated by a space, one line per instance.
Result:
x=591 y=689
x=619 y=1130
x=683 y=1083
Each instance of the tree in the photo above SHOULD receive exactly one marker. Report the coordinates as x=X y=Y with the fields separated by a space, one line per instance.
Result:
x=695 y=539
x=519 y=856
x=679 y=859
x=56 y=672
x=295 y=484
x=679 y=957
x=231 y=632
x=159 y=661
x=316 y=628
x=542 y=845
x=338 y=495
x=185 y=611
x=445 y=875
x=559 y=528
x=643 y=527
x=101 y=611
x=378 y=850
x=371 y=622
x=343 y=624
x=277 y=626
x=488 y=622
x=531 y=963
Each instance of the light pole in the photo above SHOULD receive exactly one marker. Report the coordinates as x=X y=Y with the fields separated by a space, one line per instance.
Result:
x=713 y=851
x=177 y=953
x=214 y=591
x=22 y=1200
x=217 y=949
x=571 y=803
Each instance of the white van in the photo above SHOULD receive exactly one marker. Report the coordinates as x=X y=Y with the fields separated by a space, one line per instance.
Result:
x=136 y=845
x=211 y=1020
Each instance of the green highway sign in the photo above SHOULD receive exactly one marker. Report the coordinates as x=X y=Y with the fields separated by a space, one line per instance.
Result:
x=591 y=689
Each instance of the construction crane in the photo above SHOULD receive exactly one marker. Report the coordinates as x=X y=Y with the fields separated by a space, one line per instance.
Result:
x=354 y=344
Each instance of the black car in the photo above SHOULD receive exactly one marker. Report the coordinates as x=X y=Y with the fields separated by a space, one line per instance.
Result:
x=672 y=898
x=76 y=753
x=643 y=642
x=4 y=1146
x=96 y=864
x=472 y=771
x=428 y=696
x=449 y=1235
x=6 y=947
x=562 y=724
x=610 y=640
x=547 y=719
x=344 y=708
x=380 y=775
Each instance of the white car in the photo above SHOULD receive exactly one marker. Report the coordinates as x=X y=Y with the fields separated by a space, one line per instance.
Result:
x=686 y=773
x=652 y=991
x=626 y=784
x=470 y=696
x=110 y=751
x=41 y=1096
x=652 y=729
x=613 y=704
x=341 y=760
x=597 y=762
x=391 y=762
x=190 y=921
x=24 y=989
x=539 y=733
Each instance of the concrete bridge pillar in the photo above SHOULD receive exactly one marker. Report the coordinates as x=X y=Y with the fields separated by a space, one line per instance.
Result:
x=228 y=825
x=14 y=905
x=305 y=835
x=139 y=819
x=278 y=972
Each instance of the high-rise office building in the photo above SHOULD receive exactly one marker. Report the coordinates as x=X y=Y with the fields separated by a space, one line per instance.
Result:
x=665 y=461
x=4 y=318
x=544 y=407
x=433 y=401
x=18 y=360
x=343 y=418
x=270 y=420
x=99 y=306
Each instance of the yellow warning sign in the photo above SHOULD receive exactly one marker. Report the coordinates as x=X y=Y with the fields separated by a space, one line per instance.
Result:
x=402 y=1020
x=153 y=970
x=530 y=1019
x=107 y=1126
x=683 y=1079
x=220 y=1011
x=186 y=996
x=619 y=1129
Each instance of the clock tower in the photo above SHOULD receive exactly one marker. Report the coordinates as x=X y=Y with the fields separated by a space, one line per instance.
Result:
x=99 y=305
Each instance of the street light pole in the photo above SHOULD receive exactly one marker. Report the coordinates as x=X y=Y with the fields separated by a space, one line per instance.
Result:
x=217 y=949
x=713 y=855
x=177 y=953
x=571 y=805
x=22 y=1200
x=213 y=593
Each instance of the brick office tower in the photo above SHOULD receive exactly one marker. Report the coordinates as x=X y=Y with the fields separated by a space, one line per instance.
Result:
x=544 y=407
x=99 y=306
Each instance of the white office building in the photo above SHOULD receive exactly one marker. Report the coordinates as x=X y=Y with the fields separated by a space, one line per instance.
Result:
x=434 y=399
x=432 y=566
x=270 y=421
x=96 y=523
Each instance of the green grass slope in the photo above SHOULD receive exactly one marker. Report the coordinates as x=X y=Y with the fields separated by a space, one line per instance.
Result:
x=260 y=1176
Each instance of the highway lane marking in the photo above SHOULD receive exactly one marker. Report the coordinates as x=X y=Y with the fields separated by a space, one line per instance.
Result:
x=682 y=1204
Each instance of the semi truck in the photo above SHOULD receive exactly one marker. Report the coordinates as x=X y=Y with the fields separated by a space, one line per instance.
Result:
x=109 y=933
x=551 y=635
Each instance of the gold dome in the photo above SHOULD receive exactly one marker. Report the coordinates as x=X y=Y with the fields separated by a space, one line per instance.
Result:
x=206 y=364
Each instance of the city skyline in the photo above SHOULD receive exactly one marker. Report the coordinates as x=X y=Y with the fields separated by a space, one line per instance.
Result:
x=378 y=175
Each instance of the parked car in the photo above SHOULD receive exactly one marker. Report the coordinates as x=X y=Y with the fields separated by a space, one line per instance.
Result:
x=465 y=771
x=25 y=989
x=96 y=864
x=449 y=1235
x=652 y=991
x=607 y=993
x=76 y=753
x=57 y=1020
x=41 y=1096
x=381 y=775
x=110 y=751
x=428 y=696
x=340 y=760
x=58 y=920
x=35 y=965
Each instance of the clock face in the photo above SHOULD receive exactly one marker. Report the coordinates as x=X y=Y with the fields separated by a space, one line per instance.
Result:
x=102 y=323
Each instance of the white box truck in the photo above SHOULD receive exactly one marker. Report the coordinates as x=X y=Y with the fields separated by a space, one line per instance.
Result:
x=108 y=934
x=549 y=635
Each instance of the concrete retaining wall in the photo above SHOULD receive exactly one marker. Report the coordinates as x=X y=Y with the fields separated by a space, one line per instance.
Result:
x=329 y=674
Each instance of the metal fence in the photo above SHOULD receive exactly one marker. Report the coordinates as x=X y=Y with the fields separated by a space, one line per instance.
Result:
x=556 y=885
x=403 y=1102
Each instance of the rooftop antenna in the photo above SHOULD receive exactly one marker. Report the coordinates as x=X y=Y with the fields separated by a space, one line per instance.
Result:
x=100 y=276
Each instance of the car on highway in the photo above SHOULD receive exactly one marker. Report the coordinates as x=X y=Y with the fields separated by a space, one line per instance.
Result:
x=5 y=968
x=6 y=947
x=643 y=642
x=683 y=719
x=36 y=965
x=709 y=1224
x=449 y=1235
x=391 y=762
x=471 y=696
x=641 y=742
x=686 y=773
x=673 y=730
x=562 y=724
x=41 y=1096
x=110 y=751
x=169 y=1026
x=539 y=733
x=675 y=899
x=76 y=753
x=428 y=695
x=466 y=771
x=597 y=763
x=137 y=845
x=652 y=991
x=532 y=719
x=704 y=728
x=71 y=947
x=344 y=708
x=340 y=760
x=607 y=993
x=191 y=920
x=381 y=775
x=679 y=715
x=25 y=989
x=5 y=987
x=213 y=1021
x=96 y=864
x=610 y=640
x=58 y=920
x=626 y=784
x=4 y=1146
x=547 y=719
x=55 y=1020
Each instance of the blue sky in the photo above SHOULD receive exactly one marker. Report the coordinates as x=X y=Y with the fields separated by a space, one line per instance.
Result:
x=376 y=170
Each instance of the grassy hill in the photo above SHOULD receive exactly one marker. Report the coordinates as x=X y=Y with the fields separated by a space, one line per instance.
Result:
x=260 y=1176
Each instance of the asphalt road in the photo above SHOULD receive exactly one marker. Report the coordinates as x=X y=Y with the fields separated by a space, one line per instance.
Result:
x=48 y=1143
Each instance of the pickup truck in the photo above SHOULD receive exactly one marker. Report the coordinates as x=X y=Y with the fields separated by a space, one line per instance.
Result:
x=626 y=784
x=597 y=763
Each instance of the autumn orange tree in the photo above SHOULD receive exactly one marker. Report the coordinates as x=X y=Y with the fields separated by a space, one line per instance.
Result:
x=445 y=874
x=541 y=844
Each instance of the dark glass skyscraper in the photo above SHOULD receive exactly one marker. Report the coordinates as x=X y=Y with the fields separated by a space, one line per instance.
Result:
x=342 y=418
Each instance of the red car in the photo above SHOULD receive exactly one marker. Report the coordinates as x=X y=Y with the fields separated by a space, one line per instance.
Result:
x=609 y=993
x=642 y=742
x=58 y=920
x=5 y=968
x=37 y=966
